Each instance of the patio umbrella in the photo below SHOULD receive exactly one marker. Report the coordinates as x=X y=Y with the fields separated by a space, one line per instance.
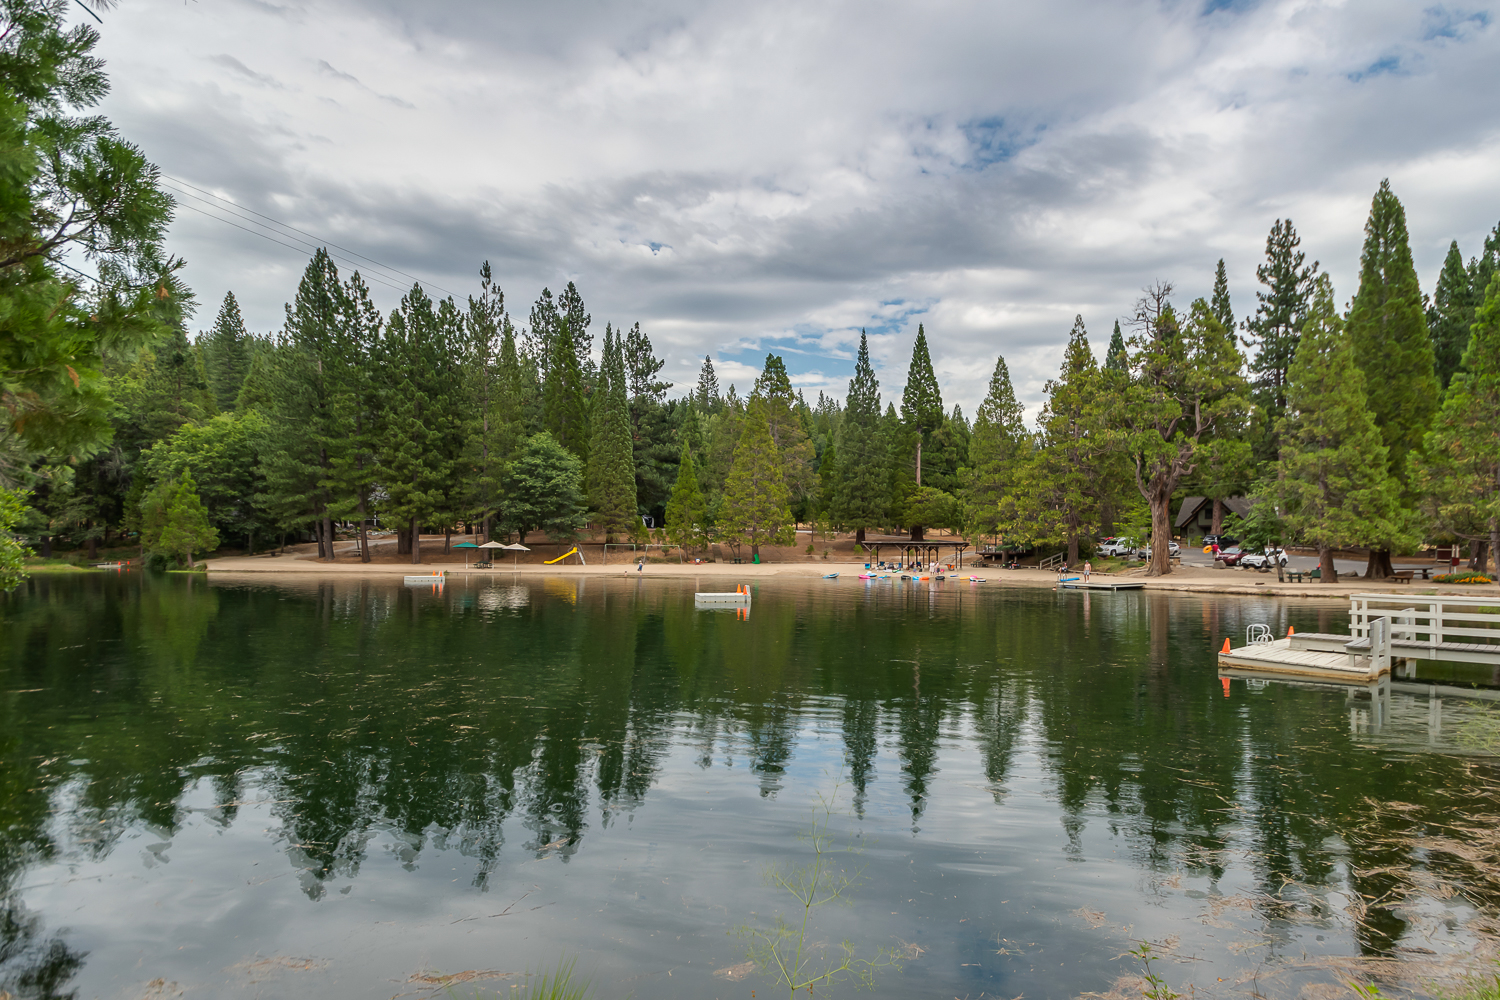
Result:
x=492 y=545
x=518 y=548
x=466 y=545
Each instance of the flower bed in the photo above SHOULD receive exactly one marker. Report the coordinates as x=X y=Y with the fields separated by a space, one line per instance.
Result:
x=1469 y=577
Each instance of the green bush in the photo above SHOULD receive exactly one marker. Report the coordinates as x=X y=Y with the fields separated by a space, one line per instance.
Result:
x=1470 y=576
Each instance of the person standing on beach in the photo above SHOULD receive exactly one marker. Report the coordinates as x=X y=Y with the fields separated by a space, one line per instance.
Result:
x=1088 y=567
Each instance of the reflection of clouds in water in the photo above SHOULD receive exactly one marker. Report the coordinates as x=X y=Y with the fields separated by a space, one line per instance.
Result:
x=502 y=598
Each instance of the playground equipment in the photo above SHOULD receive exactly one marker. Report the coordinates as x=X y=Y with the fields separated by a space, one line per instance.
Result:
x=571 y=552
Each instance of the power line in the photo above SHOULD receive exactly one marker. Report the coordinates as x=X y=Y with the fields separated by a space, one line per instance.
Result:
x=313 y=236
x=256 y=232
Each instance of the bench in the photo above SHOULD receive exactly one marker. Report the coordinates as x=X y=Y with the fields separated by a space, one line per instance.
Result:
x=1402 y=576
x=1293 y=575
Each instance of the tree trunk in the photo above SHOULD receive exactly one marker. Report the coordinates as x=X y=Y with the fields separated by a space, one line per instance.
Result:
x=328 y=530
x=190 y=558
x=46 y=546
x=1378 y=565
x=93 y=549
x=489 y=526
x=1161 y=534
x=250 y=542
x=1482 y=556
x=916 y=533
x=364 y=536
x=1495 y=540
x=403 y=542
x=859 y=536
x=1218 y=528
x=1325 y=565
x=1072 y=539
x=755 y=550
x=416 y=542
x=1106 y=518
x=447 y=539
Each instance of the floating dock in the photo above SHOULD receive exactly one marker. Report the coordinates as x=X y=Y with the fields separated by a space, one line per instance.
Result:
x=1102 y=585
x=739 y=597
x=1386 y=632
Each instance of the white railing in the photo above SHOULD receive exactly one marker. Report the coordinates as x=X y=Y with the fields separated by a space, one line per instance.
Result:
x=1430 y=621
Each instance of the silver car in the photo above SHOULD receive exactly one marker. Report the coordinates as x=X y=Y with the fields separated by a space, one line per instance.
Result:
x=1262 y=560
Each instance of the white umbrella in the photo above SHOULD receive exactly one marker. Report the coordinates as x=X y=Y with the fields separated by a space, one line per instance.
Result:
x=518 y=548
x=492 y=545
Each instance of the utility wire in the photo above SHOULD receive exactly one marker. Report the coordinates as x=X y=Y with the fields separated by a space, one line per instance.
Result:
x=256 y=232
x=242 y=208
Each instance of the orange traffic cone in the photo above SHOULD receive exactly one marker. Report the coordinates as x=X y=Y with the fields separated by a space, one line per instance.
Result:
x=1290 y=631
x=1226 y=646
x=1226 y=686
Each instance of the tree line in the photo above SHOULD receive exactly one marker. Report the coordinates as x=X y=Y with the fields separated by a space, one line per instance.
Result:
x=1374 y=425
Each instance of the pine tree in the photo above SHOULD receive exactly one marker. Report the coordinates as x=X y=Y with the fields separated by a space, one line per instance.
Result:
x=1483 y=267
x=644 y=367
x=493 y=387
x=1275 y=328
x=1115 y=358
x=686 y=512
x=998 y=444
x=1451 y=315
x=570 y=309
x=1189 y=388
x=1458 y=473
x=1332 y=483
x=706 y=395
x=755 y=508
x=542 y=335
x=226 y=354
x=861 y=490
x=611 y=465
x=793 y=442
x=1391 y=344
x=564 y=412
x=922 y=411
x=1218 y=304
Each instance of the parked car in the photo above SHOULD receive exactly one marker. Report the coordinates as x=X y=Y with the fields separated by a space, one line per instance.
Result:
x=1174 y=551
x=1231 y=555
x=1116 y=547
x=1223 y=541
x=1262 y=560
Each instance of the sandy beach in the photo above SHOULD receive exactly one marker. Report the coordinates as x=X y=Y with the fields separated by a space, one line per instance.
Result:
x=301 y=562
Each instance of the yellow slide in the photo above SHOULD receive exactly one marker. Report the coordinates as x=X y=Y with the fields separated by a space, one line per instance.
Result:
x=570 y=552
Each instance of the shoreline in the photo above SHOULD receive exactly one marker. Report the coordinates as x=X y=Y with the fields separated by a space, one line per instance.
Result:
x=1187 y=580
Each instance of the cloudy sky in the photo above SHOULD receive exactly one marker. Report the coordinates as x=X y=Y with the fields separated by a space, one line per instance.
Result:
x=773 y=176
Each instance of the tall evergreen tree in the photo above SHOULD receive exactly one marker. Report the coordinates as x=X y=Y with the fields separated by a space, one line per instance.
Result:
x=1219 y=304
x=1116 y=359
x=226 y=354
x=861 y=487
x=352 y=441
x=564 y=408
x=1274 y=330
x=644 y=368
x=921 y=408
x=998 y=443
x=1451 y=315
x=793 y=442
x=686 y=513
x=493 y=384
x=1458 y=473
x=541 y=336
x=706 y=395
x=756 y=507
x=1391 y=343
x=611 y=465
x=1331 y=480
x=1187 y=386
x=576 y=318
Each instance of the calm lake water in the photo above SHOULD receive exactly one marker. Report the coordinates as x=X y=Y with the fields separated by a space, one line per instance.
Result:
x=350 y=789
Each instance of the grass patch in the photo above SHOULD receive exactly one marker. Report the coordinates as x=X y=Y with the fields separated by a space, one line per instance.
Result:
x=56 y=566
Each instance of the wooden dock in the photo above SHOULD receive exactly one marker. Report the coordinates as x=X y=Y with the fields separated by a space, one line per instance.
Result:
x=1102 y=585
x=1385 y=630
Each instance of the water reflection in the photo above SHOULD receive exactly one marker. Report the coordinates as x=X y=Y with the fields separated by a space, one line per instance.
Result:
x=356 y=725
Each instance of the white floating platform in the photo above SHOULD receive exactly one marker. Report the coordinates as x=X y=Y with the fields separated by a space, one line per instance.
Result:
x=1095 y=585
x=430 y=580
x=723 y=600
x=1280 y=659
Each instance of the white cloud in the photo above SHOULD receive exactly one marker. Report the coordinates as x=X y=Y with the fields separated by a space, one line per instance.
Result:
x=748 y=177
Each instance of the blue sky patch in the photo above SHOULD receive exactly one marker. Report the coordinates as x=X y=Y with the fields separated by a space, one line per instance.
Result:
x=1440 y=22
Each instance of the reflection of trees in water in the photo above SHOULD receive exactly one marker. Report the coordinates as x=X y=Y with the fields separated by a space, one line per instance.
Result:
x=33 y=966
x=432 y=720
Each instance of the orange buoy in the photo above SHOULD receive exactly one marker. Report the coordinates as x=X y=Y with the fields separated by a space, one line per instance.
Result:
x=1226 y=686
x=1226 y=646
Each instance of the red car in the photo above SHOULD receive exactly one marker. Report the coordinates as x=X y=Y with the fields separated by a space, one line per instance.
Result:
x=1231 y=555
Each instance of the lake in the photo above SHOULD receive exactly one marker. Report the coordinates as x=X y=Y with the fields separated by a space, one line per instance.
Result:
x=348 y=788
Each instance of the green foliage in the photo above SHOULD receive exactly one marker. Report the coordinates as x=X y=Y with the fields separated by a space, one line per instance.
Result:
x=921 y=400
x=1156 y=987
x=1332 y=484
x=860 y=489
x=1451 y=314
x=174 y=521
x=219 y=456
x=1467 y=577
x=755 y=508
x=1389 y=331
x=543 y=490
x=1116 y=358
x=12 y=553
x=793 y=443
x=1276 y=327
x=71 y=188
x=1458 y=471
x=611 y=466
x=706 y=394
x=1218 y=303
x=783 y=951
x=686 y=512
x=932 y=507
x=998 y=444
x=226 y=355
